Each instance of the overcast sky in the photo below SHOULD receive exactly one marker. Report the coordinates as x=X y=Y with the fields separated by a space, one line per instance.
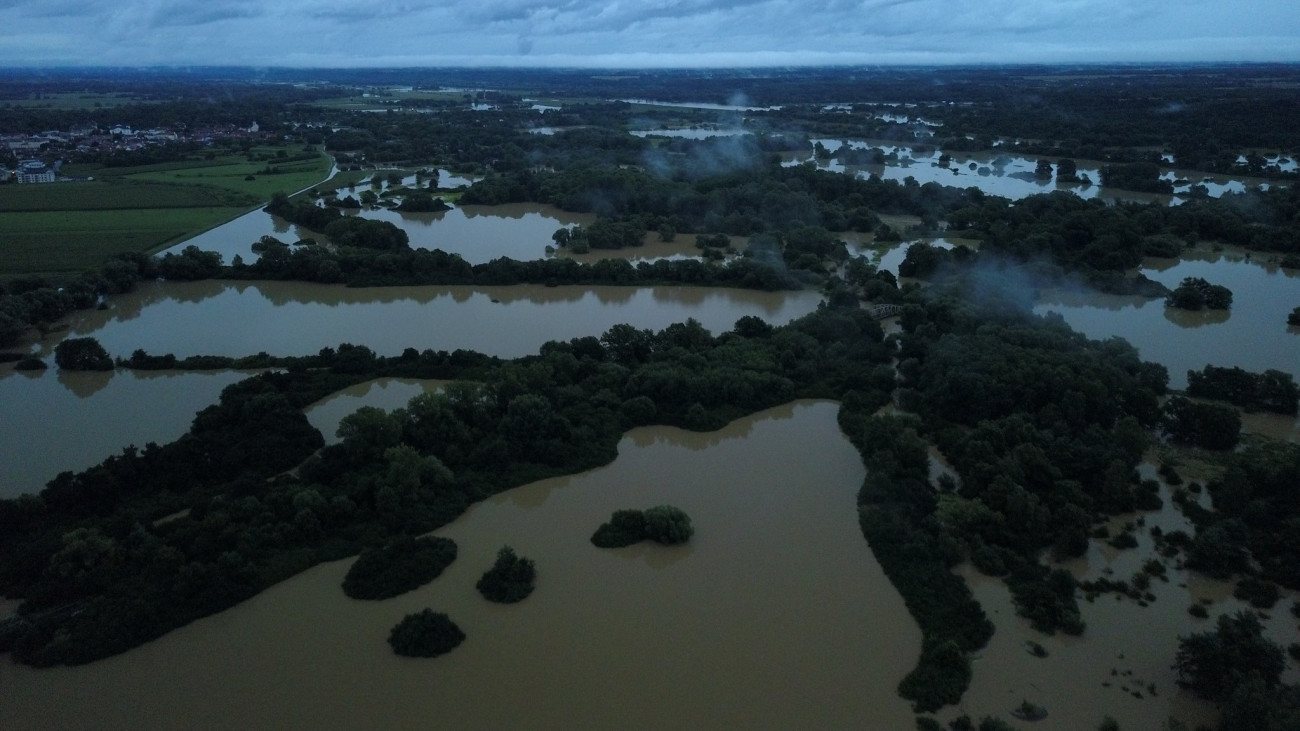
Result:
x=641 y=32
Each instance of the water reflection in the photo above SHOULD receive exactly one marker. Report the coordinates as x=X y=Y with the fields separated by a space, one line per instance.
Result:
x=59 y=420
x=298 y=318
x=382 y=393
x=1252 y=335
x=998 y=173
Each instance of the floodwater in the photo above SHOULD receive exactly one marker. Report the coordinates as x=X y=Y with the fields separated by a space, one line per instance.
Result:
x=1252 y=335
x=1106 y=669
x=479 y=234
x=109 y=411
x=56 y=421
x=381 y=393
x=298 y=318
x=692 y=133
x=775 y=615
x=1002 y=174
x=738 y=107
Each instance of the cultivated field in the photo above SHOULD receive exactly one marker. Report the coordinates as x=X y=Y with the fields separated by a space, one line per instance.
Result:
x=71 y=226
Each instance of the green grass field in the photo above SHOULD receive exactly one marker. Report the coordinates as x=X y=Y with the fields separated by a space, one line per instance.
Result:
x=56 y=242
x=57 y=228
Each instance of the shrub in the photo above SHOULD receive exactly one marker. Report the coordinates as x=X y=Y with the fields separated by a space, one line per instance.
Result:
x=425 y=634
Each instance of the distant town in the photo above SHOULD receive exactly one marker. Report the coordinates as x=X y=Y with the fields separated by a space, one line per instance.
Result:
x=37 y=158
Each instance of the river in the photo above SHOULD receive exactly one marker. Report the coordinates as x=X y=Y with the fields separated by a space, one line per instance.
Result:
x=775 y=615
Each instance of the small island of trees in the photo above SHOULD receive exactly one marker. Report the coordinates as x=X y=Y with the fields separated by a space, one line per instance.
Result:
x=664 y=524
x=1195 y=293
x=425 y=634
x=509 y=580
x=398 y=567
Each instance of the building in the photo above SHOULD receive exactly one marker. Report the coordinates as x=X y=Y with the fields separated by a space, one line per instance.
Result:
x=35 y=171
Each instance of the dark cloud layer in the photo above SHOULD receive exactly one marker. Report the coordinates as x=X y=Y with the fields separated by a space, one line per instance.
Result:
x=643 y=32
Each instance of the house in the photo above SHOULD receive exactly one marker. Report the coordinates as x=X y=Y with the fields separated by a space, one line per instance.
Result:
x=35 y=171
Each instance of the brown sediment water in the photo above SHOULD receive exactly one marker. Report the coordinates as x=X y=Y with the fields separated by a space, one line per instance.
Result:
x=775 y=615
x=1122 y=665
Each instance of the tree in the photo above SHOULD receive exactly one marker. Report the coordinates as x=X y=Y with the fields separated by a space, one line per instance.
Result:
x=82 y=354
x=1215 y=664
x=624 y=528
x=509 y=580
x=425 y=634
x=668 y=525
x=368 y=432
x=1194 y=293
x=1209 y=426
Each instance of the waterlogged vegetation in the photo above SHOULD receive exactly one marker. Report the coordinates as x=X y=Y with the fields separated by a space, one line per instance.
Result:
x=1043 y=433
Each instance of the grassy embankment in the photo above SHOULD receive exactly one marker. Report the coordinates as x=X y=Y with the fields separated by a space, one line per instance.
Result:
x=69 y=227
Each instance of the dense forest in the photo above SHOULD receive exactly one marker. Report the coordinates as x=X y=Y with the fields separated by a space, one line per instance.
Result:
x=1044 y=429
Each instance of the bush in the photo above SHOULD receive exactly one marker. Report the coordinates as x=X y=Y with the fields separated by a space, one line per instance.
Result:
x=30 y=364
x=665 y=524
x=82 y=354
x=624 y=528
x=399 y=567
x=425 y=634
x=509 y=580
x=668 y=525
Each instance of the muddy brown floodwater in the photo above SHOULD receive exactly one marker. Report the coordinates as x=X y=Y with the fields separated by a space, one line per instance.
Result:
x=775 y=616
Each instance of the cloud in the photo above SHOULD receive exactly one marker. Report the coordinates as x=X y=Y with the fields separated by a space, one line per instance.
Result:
x=645 y=32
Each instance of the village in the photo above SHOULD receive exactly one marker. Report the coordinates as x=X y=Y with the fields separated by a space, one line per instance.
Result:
x=38 y=158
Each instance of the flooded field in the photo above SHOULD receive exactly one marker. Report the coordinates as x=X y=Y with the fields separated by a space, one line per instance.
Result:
x=774 y=616
x=1252 y=335
x=1004 y=174
x=1121 y=665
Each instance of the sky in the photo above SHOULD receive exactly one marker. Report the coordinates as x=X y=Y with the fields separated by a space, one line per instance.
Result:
x=642 y=33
